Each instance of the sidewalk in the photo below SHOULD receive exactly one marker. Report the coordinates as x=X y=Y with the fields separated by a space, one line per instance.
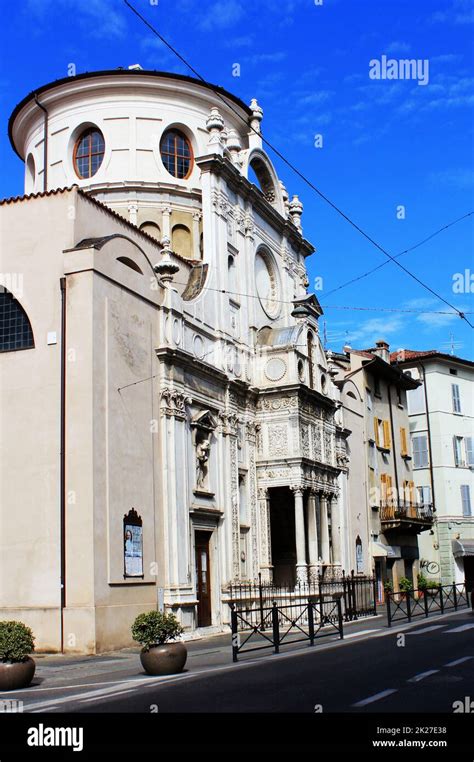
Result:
x=54 y=670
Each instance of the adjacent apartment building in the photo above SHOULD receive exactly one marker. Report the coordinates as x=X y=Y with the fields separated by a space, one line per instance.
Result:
x=441 y=414
x=396 y=513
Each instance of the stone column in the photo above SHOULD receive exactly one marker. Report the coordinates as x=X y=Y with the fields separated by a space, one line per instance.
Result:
x=266 y=566
x=301 y=566
x=335 y=531
x=166 y=222
x=133 y=213
x=312 y=537
x=323 y=500
x=196 y=236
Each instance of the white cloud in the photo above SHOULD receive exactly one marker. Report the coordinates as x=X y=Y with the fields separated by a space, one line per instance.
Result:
x=460 y=13
x=245 y=41
x=457 y=178
x=263 y=58
x=101 y=18
x=221 y=15
x=366 y=333
x=397 y=47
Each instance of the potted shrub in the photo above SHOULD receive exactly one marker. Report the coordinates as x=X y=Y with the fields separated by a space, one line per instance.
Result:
x=16 y=666
x=405 y=587
x=162 y=653
x=422 y=585
x=433 y=587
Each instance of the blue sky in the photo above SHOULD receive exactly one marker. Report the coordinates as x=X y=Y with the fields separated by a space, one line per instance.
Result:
x=386 y=143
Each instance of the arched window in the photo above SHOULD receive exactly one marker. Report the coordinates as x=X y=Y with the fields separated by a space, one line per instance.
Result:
x=30 y=174
x=129 y=263
x=181 y=240
x=267 y=283
x=15 y=328
x=89 y=152
x=259 y=174
x=176 y=154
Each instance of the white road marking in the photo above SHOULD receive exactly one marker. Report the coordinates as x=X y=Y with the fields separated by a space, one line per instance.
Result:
x=427 y=629
x=462 y=628
x=422 y=676
x=36 y=711
x=356 y=634
x=458 y=661
x=109 y=696
x=376 y=697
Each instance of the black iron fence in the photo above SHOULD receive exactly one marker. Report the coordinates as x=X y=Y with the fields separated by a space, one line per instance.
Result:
x=357 y=594
x=284 y=624
x=405 y=606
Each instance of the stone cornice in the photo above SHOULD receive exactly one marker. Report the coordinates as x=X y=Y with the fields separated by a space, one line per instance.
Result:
x=302 y=392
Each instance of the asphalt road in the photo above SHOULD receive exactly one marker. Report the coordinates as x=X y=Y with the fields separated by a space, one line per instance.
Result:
x=425 y=668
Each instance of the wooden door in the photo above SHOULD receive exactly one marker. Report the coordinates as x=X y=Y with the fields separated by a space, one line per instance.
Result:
x=203 y=578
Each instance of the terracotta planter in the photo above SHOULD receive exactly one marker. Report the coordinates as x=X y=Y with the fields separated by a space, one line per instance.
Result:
x=16 y=674
x=167 y=659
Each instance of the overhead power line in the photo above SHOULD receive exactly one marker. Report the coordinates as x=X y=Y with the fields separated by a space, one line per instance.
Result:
x=286 y=161
x=294 y=303
x=405 y=251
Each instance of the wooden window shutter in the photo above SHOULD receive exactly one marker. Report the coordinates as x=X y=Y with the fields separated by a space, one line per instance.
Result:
x=386 y=435
x=376 y=431
x=403 y=440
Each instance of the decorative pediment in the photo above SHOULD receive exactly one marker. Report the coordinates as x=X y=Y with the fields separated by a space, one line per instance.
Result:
x=310 y=303
x=204 y=420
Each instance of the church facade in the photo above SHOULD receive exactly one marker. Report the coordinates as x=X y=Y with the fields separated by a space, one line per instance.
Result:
x=170 y=424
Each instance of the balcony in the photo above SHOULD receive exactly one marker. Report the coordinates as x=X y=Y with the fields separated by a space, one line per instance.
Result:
x=406 y=516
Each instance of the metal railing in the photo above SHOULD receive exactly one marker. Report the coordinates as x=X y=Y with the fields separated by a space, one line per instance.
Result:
x=405 y=606
x=403 y=510
x=356 y=592
x=286 y=624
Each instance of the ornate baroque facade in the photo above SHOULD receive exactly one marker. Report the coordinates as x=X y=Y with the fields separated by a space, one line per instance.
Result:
x=200 y=396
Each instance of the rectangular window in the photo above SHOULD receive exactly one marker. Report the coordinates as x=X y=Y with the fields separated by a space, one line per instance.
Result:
x=416 y=400
x=369 y=400
x=420 y=451
x=403 y=441
x=456 y=398
x=377 y=390
x=458 y=451
x=469 y=450
x=372 y=458
x=424 y=495
x=466 y=500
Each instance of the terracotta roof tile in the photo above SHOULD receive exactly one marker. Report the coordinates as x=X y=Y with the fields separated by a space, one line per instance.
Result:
x=108 y=209
x=411 y=354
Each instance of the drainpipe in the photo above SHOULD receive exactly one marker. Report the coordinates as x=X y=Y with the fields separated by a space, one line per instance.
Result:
x=62 y=477
x=429 y=437
x=45 y=143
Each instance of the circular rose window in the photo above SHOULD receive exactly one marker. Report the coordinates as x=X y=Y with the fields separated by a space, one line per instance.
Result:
x=267 y=283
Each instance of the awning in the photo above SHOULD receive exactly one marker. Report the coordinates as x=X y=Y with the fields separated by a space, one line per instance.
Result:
x=386 y=551
x=463 y=548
